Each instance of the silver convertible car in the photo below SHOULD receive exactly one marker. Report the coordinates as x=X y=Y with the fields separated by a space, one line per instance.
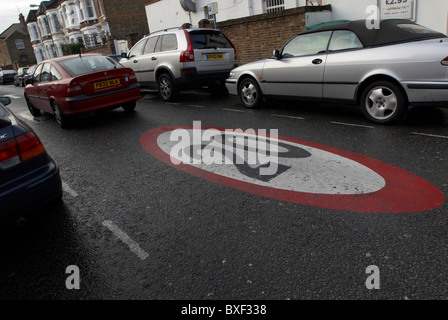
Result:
x=384 y=70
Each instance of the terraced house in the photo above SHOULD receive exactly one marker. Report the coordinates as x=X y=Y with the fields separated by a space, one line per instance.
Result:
x=107 y=26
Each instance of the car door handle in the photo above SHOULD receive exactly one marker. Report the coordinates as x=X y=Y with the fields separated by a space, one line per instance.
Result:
x=154 y=58
x=135 y=61
x=317 y=61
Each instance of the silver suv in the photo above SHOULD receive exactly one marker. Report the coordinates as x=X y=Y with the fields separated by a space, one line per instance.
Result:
x=170 y=60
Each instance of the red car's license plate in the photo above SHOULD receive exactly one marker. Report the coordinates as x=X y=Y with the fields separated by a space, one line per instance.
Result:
x=106 y=84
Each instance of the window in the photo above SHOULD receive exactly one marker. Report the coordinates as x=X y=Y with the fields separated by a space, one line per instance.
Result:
x=415 y=28
x=150 y=45
x=138 y=49
x=100 y=5
x=89 y=9
x=37 y=73
x=45 y=73
x=20 y=44
x=46 y=25
x=274 y=5
x=344 y=40
x=169 y=42
x=56 y=24
x=55 y=75
x=82 y=65
x=35 y=32
x=307 y=44
x=206 y=39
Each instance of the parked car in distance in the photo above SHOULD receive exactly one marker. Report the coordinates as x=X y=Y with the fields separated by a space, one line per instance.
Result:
x=29 y=177
x=7 y=76
x=383 y=70
x=18 y=78
x=77 y=84
x=173 y=59
x=29 y=74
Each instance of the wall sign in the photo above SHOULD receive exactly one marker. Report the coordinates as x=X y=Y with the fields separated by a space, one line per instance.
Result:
x=397 y=9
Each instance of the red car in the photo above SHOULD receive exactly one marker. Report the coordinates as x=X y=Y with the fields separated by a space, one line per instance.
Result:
x=77 y=84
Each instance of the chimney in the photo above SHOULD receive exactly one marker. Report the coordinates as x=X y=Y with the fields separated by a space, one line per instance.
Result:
x=22 y=20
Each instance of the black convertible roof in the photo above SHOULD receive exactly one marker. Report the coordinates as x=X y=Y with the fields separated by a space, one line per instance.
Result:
x=388 y=33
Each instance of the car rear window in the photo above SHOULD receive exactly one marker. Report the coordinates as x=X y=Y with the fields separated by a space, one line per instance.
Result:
x=209 y=40
x=87 y=64
x=415 y=28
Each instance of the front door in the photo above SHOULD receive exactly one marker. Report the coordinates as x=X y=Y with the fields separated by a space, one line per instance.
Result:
x=299 y=70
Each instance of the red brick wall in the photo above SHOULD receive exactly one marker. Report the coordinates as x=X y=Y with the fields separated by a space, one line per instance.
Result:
x=257 y=36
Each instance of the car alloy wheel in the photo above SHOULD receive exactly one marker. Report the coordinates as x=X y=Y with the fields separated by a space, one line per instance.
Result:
x=250 y=93
x=383 y=102
x=59 y=116
x=167 y=89
x=34 y=111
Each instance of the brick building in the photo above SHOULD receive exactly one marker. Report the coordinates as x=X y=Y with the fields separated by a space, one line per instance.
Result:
x=15 y=47
x=100 y=25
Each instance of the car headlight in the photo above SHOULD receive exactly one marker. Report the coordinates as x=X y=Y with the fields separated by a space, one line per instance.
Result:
x=232 y=75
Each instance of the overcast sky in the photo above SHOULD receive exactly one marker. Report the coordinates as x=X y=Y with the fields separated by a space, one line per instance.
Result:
x=9 y=11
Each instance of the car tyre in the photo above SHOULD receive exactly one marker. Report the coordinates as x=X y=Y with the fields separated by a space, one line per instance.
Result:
x=168 y=90
x=130 y=106
x=61 y=119
x=383 y=102
x=33 y=110
x=250 y=93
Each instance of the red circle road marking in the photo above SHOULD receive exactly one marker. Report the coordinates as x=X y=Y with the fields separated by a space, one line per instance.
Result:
x=404 y=192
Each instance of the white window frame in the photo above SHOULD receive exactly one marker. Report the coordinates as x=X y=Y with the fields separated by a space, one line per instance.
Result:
x=20 y=45
x=273 y=5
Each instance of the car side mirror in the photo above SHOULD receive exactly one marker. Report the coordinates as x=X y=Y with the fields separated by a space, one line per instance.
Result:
x=124 y=55
x=29 y=81
x=276 y=54
x=5 y=101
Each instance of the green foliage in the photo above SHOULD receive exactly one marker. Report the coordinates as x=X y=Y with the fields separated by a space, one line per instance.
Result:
x=72 y=48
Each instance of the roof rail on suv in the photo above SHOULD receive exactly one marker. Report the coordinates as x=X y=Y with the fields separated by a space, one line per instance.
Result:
x=166 y=29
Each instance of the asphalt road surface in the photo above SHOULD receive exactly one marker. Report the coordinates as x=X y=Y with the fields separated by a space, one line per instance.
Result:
x=137 y=227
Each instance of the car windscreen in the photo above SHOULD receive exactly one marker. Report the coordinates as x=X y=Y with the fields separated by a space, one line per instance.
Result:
x=208 y=40
x=87 y=64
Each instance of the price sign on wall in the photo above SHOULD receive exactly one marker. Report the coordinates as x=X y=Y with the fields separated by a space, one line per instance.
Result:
x=397 y=9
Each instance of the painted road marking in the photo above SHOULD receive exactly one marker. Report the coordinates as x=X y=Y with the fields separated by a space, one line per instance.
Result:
x=70 y=191
x=430 y=135
x=121 y=235
x=289 y=117
x=310 y=174
x=195 y=106
x=234 y=110
x=13 y=96
x=26 y=115
x=352 y=125
x=173 y=103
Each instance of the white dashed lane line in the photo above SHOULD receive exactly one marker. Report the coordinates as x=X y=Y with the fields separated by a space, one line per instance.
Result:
x=352 y=125
x=289 y=117
x=70 y=191
x=430 y=135
x=195 y=106
x=121 y=235
x=233 y=110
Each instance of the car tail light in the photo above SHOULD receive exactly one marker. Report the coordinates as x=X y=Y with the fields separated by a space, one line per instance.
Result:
x=445 y=62
x=188 y=55
x=74 y=89
x=29 y=146
x=132 y=78
x=21 y=149
x=9 y=155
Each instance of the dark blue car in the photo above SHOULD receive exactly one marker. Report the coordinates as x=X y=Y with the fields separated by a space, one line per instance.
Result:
x=29 y=178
